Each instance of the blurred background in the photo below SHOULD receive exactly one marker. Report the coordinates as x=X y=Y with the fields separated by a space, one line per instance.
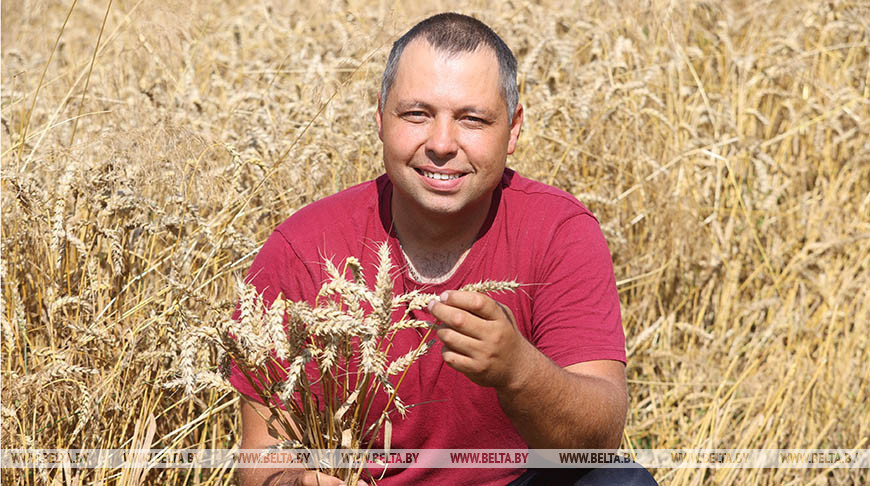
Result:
x=150 y=147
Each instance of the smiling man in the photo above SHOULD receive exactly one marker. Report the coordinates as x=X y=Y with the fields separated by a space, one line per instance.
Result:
x=540 y=368
x=447 y=132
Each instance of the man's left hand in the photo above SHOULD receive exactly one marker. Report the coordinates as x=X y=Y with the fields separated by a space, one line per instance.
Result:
x=481 y=339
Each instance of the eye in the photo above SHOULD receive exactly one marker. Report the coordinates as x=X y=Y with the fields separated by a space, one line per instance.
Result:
x=414 y=115
x=475 y=121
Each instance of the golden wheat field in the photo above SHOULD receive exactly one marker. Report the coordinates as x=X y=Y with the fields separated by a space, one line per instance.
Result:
x=150 y=147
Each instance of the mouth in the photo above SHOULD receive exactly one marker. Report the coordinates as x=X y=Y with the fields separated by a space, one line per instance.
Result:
x=438 y=176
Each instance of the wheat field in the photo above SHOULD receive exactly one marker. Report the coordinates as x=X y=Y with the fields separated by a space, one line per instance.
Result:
x=150 y=147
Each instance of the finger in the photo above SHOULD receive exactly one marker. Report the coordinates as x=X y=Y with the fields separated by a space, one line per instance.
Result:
x=476 y=303
x=458 y=319
x=459 y=362
x=457 y=342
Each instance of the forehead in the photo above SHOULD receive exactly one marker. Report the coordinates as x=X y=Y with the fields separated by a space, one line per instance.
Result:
x=426 y=70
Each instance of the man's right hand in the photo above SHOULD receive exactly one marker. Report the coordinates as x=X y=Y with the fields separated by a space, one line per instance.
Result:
x=289 y=477
x=307 y=478
x=255 y=435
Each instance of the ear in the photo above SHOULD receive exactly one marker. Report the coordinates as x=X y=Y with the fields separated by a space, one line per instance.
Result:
x=379 y=118
x=516 y=127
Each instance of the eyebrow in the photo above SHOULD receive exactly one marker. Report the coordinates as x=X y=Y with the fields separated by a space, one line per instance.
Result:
x=410 y=105
x=415 y=104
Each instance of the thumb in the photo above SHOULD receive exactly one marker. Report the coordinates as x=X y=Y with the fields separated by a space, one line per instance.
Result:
x=317 y=478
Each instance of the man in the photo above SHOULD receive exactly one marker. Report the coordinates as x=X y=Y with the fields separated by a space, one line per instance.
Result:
x=539 y=368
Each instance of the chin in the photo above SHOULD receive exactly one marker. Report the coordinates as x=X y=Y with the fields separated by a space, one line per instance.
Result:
x=440 y=210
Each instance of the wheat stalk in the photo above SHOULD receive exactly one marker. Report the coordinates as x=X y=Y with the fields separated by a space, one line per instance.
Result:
x=331 y=335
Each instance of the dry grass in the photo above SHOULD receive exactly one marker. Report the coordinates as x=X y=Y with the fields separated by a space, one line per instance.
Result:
x=724 y=147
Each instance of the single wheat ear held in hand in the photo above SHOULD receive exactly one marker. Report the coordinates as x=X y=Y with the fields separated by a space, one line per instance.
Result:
x=276 y=348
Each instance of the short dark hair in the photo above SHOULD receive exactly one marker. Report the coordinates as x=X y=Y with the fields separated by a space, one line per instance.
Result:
x=455 y=33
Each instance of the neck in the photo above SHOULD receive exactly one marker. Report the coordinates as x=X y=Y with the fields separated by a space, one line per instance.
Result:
x=436 y=244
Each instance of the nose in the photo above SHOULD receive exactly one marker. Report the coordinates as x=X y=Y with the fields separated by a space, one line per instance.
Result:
x=441 y=144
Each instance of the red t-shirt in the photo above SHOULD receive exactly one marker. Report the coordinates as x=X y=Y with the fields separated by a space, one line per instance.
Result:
x=535 y=234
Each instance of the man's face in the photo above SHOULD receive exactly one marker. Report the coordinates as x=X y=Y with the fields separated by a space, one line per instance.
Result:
x=445 y=130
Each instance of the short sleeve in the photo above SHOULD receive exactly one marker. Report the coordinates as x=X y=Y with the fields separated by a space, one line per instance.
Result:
x=576 y=315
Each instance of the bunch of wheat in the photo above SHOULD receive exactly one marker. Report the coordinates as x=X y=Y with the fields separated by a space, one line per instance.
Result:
x=346 y=335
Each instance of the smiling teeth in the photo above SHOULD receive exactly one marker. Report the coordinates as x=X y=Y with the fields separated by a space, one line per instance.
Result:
x=441 y=177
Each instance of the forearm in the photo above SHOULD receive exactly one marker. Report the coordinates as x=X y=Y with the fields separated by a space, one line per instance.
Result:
x=553 y=408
